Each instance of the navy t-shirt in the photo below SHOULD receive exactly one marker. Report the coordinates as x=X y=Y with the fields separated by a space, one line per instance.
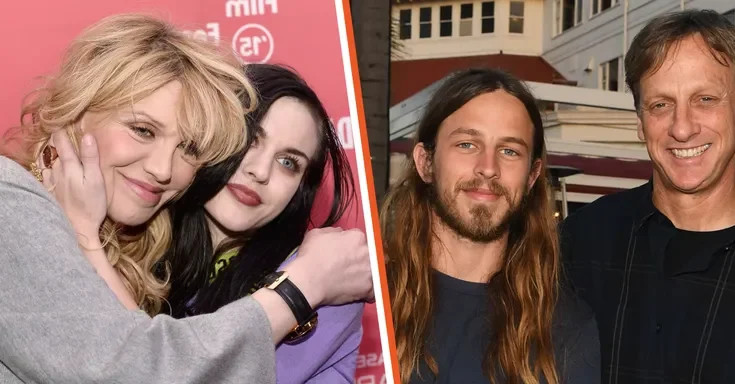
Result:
x=459 y=338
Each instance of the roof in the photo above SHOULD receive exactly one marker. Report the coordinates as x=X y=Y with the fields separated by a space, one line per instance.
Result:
x=407 y=77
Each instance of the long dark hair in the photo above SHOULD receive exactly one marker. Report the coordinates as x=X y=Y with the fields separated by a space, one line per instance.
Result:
x=191 y=258
x=524 y=290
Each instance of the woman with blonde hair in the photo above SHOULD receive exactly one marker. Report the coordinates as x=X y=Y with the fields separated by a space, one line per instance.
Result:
x=135 y=109
x=158 y=104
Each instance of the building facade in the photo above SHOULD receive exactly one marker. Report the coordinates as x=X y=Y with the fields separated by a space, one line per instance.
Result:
x=431 y=30
x=575 y=43
x=439 y=37
x=584 y=38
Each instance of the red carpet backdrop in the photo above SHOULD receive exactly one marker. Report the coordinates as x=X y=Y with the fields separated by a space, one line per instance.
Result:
x=301 y=34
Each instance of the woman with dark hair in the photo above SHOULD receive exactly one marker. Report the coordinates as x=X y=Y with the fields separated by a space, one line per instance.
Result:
x=242 y=220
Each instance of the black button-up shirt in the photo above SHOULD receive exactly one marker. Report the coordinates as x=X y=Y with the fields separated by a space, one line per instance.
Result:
x=664 y=298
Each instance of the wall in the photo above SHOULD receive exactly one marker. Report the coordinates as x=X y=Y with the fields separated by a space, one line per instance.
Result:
x=599 y=38
x=528 y=43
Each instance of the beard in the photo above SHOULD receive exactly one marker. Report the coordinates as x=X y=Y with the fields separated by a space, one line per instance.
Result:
x=484 y=224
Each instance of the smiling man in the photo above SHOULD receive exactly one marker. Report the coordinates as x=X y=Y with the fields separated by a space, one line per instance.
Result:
x=656 y=262
x=472 y=247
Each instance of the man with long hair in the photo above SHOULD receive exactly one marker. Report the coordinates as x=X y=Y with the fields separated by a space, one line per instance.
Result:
x=471 y=246
x=656 y=262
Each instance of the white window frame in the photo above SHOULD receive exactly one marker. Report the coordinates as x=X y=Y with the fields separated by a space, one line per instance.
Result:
x=429 y=23
x=495 y=8
x=522 y=17
x=604 y=75
x=409 y=24
x=613 y=3
x=558 y=11
x=466 y=21
x=450 y=21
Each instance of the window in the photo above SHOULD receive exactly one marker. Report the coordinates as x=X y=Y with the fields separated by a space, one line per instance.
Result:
x=601 y=5
x=465 y=19
x=567 y=14
x=578 y=12
x=515 y=24
x=445 y=20
x=610 y=75
x=488 y=16
x=730 y=15
x=424 y=22
x=404 y=20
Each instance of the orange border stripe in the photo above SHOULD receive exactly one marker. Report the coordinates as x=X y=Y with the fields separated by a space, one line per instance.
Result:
x=371 y=189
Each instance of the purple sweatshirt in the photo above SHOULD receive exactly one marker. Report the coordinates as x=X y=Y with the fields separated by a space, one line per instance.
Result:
x=329 y=354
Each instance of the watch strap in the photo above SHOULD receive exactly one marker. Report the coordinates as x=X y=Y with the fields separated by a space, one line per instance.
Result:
x=293 y=297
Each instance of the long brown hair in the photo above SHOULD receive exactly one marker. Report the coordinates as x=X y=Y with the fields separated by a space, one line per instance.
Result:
x=524 y=291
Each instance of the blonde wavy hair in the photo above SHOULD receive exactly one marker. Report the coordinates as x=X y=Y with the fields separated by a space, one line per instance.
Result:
x=524 y=291
x=115 y=63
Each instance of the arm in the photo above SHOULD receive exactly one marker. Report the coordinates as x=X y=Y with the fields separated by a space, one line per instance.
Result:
x=79 y=188
x=93 y=210
x=582 y=362
x=566 y=230
x=97 y=256
x=60 y=323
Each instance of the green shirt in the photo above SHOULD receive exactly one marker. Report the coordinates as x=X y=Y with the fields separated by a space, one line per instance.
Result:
x=223 y=261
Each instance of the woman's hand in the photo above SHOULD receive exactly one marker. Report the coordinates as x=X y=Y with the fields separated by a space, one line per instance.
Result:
x=333 y=267
x=78 y=186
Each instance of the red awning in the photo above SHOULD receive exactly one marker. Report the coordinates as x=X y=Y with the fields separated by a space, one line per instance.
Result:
x=408 y=77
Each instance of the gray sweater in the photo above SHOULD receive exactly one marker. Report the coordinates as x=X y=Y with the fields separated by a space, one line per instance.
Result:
x=60 y=323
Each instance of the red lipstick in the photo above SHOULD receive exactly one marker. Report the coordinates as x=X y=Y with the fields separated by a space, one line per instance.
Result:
x=244 y=195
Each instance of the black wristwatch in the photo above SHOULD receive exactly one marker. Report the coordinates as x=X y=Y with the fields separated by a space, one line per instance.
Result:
x=306 y=317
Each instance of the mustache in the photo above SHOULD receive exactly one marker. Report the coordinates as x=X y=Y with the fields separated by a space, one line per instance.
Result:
x=492 y=185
